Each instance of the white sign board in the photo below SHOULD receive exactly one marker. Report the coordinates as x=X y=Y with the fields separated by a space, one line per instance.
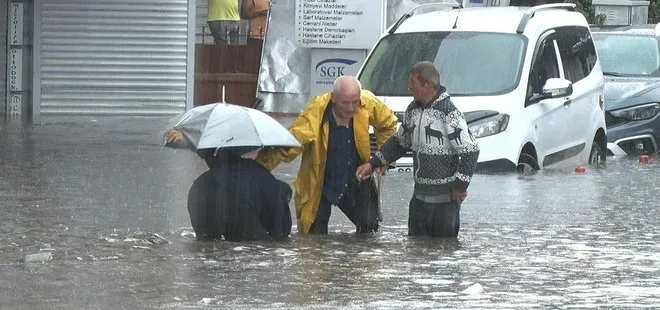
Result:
x=15 y=70
x=15 y=28
x=14 y=105
x=15 y=59
x=329 y=64
x=350 y=24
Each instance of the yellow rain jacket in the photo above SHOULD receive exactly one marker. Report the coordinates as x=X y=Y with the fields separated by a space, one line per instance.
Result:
x=313 y=135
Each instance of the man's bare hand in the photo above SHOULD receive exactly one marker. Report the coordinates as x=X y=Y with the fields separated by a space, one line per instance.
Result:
x=175 y=136
x=176 y=139
x=363 y=172
x=458 y=195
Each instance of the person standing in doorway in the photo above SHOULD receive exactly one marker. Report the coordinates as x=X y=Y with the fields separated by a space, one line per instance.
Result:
x=444 y=155
x=224 y=21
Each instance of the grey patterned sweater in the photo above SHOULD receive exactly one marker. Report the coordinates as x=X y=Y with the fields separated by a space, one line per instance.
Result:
x=444 y=151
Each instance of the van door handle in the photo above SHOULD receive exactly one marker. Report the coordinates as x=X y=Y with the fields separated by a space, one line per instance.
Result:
x=567 y=102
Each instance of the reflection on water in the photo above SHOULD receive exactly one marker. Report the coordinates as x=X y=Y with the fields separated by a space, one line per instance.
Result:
x=113 y=216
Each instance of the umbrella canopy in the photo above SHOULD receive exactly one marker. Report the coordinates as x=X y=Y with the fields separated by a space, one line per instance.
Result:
x=223 y=125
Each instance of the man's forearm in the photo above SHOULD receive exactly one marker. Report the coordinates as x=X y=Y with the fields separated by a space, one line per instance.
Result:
x=390 y=152
x=466 y=168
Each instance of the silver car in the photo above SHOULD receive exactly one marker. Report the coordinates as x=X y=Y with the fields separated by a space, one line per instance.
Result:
x=630 y=58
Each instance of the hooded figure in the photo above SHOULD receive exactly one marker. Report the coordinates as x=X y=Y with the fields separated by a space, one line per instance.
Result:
x=239 y=200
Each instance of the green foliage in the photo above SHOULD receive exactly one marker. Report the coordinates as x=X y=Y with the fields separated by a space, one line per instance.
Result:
x=654 y=11
x=587 y=9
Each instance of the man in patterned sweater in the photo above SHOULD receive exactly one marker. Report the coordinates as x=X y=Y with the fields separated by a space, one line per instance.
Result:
x=444 y=155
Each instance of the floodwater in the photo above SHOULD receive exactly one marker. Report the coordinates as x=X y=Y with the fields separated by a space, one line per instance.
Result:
x=104 y=206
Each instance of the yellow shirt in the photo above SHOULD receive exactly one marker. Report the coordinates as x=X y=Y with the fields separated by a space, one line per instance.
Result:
x=223 y=10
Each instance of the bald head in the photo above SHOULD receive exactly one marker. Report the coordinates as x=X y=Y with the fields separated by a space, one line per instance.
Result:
x=346 y=84
x=346 y=97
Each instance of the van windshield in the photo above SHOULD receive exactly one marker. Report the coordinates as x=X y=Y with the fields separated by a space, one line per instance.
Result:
x=470 y=63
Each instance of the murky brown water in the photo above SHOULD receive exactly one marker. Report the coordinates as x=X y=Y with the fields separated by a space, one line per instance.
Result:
x=97 y=194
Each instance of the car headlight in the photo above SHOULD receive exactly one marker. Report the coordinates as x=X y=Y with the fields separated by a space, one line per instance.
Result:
x=489 y=125
x=639 y=112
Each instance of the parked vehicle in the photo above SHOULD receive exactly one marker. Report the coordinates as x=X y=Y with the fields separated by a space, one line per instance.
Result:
x=630 y=58
x=527 y=79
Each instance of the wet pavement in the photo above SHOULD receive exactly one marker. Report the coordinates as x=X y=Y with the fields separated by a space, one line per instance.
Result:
x=102 y=204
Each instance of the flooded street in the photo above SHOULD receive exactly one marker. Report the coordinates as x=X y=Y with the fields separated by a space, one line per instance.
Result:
x=106 y=206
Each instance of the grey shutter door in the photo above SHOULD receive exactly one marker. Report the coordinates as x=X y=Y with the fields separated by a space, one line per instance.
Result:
x=113 y=57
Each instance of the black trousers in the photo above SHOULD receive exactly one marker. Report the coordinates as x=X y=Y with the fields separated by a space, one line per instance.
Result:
x=359 y=203
x=434 y=219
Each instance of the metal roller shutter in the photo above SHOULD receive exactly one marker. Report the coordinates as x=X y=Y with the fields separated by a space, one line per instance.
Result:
x=113 y=57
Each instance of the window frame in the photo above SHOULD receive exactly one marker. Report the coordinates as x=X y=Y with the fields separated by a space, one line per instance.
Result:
x=580 y=63
x=545 y=39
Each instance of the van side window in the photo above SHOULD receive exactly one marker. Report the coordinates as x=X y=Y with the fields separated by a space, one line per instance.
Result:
x=545 y=67
x=577 y=51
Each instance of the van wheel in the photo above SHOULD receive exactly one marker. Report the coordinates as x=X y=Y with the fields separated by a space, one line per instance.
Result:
x=527 y=164
x=596 y=156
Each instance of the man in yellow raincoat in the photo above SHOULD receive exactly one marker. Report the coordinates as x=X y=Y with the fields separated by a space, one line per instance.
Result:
x=327 y=170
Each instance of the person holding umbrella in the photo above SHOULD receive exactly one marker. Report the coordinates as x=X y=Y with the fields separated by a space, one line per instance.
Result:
x=334 y=133
x=237 y=199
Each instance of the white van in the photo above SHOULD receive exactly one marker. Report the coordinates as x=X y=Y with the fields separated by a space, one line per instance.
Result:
x=527 y=79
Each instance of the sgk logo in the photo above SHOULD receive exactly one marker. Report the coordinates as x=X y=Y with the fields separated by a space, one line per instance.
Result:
x=333 y=67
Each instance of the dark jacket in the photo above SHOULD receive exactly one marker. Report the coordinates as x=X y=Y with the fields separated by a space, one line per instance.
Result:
x=238 y=199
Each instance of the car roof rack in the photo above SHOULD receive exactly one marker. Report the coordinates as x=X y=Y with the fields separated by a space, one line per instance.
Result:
x=544 y=7
x=424 y=8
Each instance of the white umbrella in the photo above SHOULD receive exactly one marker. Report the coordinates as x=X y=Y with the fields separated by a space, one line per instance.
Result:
x=223 y=125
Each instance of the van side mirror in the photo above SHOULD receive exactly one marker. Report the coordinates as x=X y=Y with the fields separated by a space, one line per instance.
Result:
x=557 y=87
x=553 y=88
